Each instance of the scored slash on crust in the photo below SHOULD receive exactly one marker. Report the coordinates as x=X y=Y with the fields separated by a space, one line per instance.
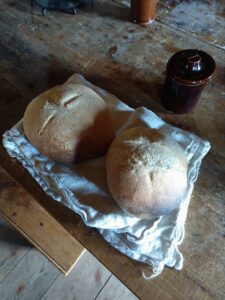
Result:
x=67 y=103
x=46 y=123
x=49 y=120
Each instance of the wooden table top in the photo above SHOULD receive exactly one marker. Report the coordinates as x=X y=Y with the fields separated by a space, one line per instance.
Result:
x=128 y=60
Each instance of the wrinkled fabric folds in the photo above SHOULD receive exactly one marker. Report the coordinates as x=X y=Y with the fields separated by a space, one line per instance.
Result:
x=83 y=188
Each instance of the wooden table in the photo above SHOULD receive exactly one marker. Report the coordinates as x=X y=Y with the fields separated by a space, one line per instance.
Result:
x=128 y=60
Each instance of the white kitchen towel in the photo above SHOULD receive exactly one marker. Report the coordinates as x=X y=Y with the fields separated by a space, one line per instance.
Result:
x=83 y=187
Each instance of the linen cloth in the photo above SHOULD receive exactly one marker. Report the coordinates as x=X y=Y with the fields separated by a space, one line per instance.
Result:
x=83 y=188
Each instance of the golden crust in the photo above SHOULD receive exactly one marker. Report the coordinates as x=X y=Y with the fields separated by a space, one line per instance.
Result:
x=69 y=123
x=146 y=172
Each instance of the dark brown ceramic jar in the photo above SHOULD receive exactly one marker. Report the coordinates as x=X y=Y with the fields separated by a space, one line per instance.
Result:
x=188 y=71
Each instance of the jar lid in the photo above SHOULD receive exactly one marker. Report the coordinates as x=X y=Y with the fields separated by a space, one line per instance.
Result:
x=191 y=66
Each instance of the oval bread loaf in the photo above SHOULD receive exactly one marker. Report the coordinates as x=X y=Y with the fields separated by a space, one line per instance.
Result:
x=69 y=123
x=146 y=172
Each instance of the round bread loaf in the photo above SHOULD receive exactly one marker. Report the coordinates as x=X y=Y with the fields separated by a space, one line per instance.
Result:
x=146 y=172
x=69 y=123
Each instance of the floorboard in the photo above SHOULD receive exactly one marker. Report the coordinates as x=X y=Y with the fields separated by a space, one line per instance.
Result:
x=13 y=248
x=27 y=274
x=37 y=225
x=116 y=291
x=84 y=282
x=30 y=278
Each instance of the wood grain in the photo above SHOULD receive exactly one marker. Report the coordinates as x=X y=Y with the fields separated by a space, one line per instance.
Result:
x=13 y=248
x=203 y=20
x=38 y=226
x=30 y=278
x=84 y=282
x=127 y=60
x=134 y=67
x=115 y=290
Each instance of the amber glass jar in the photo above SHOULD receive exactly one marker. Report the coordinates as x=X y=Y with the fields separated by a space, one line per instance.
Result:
x=143 y=11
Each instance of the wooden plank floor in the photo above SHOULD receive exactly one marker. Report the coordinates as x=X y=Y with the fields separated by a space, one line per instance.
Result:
x=25 y=273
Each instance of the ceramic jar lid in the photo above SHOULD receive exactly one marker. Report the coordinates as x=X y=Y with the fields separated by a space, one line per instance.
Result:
x=191 y=66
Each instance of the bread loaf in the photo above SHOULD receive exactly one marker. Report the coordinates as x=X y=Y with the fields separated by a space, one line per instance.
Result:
x=69 y=123
x=146 y=172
